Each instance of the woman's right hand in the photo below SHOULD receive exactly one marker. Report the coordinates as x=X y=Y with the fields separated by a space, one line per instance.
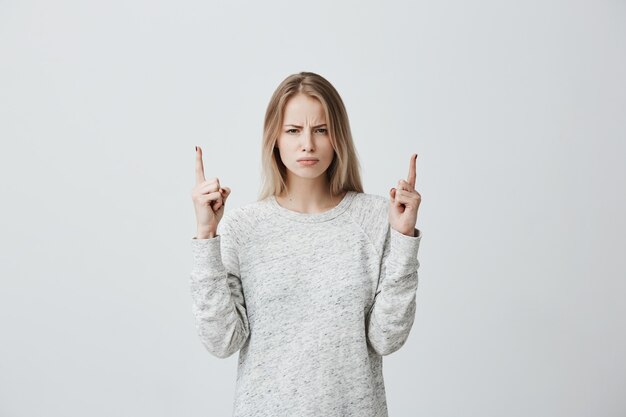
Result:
x=208 y=199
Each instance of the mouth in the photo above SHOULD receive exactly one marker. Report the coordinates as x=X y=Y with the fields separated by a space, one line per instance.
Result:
x=308 y=162
x=308 y=159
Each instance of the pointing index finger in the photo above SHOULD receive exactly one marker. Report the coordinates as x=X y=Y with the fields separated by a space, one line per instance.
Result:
x=411 y=178
x=199 y=166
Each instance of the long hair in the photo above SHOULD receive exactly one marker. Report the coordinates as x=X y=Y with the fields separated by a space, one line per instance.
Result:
x=343 y=174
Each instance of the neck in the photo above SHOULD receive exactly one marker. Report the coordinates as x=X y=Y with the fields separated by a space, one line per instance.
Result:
x=309 y=196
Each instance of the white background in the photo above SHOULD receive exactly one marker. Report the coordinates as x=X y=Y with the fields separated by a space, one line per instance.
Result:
x=516 y=109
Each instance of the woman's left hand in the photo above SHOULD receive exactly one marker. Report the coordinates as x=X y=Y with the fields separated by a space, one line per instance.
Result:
x=404 y=203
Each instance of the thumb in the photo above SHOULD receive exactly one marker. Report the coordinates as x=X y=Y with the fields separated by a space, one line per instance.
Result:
x=225 y=193
x=393 y=201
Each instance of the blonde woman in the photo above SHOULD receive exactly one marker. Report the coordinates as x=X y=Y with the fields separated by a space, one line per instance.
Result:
x=315 y=281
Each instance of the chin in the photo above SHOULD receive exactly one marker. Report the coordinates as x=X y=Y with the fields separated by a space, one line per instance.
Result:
x=305 y=172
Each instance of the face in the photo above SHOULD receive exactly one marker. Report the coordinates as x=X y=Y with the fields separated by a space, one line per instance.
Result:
x=305 y=134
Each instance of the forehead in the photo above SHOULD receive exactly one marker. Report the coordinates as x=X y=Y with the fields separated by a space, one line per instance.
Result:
x=304 y=107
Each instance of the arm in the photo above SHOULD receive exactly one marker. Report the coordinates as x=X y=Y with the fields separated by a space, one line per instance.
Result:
x=392 y=315
x=217 y=293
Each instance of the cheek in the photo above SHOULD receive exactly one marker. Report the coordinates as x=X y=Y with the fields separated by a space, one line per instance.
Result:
x=281 y=144
x=328 y=148
x=286 y=142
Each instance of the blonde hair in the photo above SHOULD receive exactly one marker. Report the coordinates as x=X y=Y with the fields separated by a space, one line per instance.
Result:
x=344 y=171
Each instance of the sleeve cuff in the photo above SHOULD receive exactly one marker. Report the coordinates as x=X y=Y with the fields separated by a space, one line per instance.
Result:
x=206 y=252
x=404 y=249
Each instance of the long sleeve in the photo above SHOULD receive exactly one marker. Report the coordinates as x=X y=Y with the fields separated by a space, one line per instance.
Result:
x=392 y=315
x=217 y=293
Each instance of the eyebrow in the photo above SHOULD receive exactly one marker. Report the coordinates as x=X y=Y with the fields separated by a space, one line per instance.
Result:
x=323 y=124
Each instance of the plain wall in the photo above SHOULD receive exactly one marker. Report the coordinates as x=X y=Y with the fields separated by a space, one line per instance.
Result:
x=516 y=109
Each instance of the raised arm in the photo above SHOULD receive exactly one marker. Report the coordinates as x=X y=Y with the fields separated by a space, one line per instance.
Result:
x=392 y=315
x=218 y=299
x=393 y=312
x=216 y=289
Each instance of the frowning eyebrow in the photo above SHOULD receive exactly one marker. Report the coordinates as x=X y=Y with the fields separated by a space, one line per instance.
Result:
x=300 y=127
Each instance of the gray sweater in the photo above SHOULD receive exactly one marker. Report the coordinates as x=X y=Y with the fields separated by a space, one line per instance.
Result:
x=312 y=301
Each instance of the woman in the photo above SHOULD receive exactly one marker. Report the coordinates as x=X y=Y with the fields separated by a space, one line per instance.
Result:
x=315 y=281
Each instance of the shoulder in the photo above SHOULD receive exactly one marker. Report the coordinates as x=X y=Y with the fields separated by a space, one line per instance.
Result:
x=371 y=213
x=369 y=207
x=239 y=222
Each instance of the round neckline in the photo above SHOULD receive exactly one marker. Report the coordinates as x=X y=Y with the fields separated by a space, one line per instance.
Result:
x=314 y=217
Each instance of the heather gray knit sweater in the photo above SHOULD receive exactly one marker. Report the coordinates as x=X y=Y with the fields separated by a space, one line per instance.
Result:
x=312 y=301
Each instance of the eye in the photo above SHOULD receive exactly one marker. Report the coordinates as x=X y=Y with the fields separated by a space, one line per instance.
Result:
x=291 y=130
x=322 y=130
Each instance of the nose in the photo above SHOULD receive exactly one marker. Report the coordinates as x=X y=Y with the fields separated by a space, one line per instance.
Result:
x=307 y=140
